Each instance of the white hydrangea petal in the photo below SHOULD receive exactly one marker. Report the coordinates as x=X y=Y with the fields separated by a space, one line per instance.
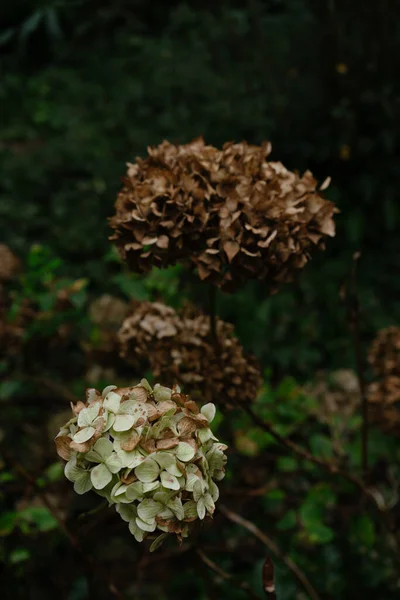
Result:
x=110 y=419
x=100 y=476
x=144 y=526
x=204 y=434
x=112 y=402
x=88 y=415
x=147 y=471
x=201 y=508
x=208 y=410
x=71 y=469
x=166 y=513
x=108 y=389
x=123 y=422
x=184 y=452
x=83 y=483
x=169 y=481
x=161 y=393
x=84 y=435
x=130 y=459
x=148 y=509
x=163 y=497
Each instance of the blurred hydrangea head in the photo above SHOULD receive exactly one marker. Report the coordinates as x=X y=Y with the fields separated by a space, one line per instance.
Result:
x=148 y=451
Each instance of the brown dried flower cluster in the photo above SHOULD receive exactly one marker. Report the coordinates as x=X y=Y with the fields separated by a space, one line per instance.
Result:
x=384 y=394
x=229 y=213
x=9 y=263
x=180 y=348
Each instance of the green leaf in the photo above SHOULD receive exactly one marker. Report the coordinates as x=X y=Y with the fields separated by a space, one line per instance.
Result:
x=363 y=529
x=158 y=541
x=287 y=464
x=321 y=446
x=39 y=516
x=19 y=555
x=288 y=521
x=8 y=521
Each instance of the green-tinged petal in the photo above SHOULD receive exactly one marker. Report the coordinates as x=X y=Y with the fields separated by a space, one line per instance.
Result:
x=175 y=504
x=214 y=491
x=164 y=459
x=148 y=509
x=127 y=512
x=71 y=469
x=144 y=383
x=190 y=481
x=123 y=422
x=184 y=452
x=135 y=491
x=139 y=534
x=166 y=513
x=88 y=415
x=219 y=475
x=110 y=420
x=144 y=526
x=201 y=508
x=104 y=448
x=118 y=489
x=163 y=497
x=158 y=541
x=83 y=483
x=204 y=434
x=112 y=402
x=113 y=463
x=128 y=407
x=190 y=509
x=209 y=503
x=150 y=487
x=197 y=490
x=208 y=410
x=130 y=459
x=84 y=435
x=147 y=471
x=161 y=393
x=169 y=481
x=100 y=476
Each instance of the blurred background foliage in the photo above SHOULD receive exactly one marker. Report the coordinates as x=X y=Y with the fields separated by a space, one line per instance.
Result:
x=85 y=87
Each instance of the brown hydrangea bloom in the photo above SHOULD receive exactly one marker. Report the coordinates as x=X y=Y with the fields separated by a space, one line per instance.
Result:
x=229 y=213
x=384 y=394
x=384 y=355
x=179 y=347
x=9 y=263
x=384 y=403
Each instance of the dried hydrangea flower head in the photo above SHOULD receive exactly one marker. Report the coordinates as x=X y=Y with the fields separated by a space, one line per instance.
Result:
x=384 y=354
x=9 y=263
x=150 y=452
x=179 y=348
x=384 y=393
x=230 y=213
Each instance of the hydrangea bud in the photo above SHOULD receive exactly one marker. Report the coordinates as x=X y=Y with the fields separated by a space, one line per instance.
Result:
x=150 y=452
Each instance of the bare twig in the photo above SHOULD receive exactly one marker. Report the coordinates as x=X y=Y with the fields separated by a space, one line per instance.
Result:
x=270 y=544
x=353 y=312
x=226 y=576
x=73 y=540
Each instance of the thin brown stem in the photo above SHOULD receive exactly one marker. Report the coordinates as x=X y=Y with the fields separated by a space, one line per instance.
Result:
x=353 y=311
x=213 y=315
x=73 y=540
x=270 y=544
x=226 y=576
